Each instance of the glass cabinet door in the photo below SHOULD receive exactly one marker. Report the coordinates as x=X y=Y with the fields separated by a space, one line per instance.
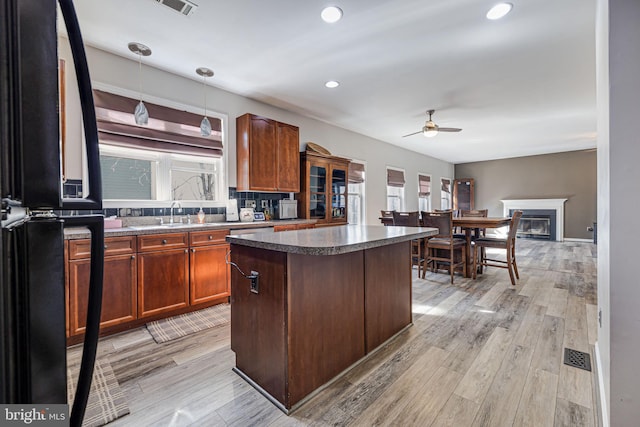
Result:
x=317 y=192
x=338 y=194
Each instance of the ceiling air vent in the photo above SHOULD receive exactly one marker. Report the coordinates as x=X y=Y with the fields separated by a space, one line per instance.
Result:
x=184 y=7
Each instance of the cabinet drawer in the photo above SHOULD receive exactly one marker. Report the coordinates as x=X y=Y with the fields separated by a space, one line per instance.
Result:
x=156 y=242
x=81 y=249
x=199 y=238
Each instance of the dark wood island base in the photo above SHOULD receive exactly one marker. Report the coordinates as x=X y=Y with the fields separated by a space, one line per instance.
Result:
x=316 y=312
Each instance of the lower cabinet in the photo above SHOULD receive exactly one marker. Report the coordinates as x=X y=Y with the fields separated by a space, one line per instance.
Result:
x=148 y=276
x=163 y=273
x=119 y=290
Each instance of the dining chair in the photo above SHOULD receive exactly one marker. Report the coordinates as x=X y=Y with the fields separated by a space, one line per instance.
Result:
x=508 y=244
x=406 y=219
x=410 y=219
x=477 y=232
x=386 y=217
x=443 y=243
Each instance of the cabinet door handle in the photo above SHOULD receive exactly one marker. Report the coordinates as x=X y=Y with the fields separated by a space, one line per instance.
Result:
x=210 y=237
x=133 y=257
x=105 y=246
x=193 y=250
x=186 y=251
x=164 y=241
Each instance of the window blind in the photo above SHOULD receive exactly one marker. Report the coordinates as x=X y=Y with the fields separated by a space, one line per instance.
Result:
x=424 y=185
x=168 y=130
x=395 y=178
x=356 y=173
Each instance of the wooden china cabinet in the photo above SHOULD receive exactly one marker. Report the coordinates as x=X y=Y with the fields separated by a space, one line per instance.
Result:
x=463 y=194
x=324 y=188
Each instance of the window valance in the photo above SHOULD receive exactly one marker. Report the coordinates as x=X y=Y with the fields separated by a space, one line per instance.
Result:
x=395 y=178
x=168 y=130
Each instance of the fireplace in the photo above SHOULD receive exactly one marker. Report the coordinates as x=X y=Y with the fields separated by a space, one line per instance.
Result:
x=537 y=224
x=539 y=208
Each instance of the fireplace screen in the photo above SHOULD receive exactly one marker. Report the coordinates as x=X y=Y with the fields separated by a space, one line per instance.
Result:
x=534 y=227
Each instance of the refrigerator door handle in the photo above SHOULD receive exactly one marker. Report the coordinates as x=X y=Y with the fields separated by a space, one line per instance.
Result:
x=95 y=223
x=93 y=199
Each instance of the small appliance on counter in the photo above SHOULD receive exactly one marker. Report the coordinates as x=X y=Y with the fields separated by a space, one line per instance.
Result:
x=246 y=215
x=258 y=216
x=287 y=209
x=232 y=210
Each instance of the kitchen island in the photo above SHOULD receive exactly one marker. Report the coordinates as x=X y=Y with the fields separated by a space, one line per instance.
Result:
x=323 y=300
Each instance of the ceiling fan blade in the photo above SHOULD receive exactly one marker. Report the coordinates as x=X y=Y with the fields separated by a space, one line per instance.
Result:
x=449 y=129
x=415 y=133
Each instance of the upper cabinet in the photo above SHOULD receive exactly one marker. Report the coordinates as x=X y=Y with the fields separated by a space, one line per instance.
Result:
x=463 y=194
x=324 y=190
x=267 y=155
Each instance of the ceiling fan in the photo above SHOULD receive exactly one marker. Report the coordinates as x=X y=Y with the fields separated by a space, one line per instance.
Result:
x=430 y=129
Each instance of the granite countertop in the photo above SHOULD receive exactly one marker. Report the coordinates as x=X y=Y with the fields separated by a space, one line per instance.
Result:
x=331 y=240
x=133 y=230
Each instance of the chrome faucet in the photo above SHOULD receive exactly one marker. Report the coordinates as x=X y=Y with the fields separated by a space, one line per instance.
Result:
x=174 y=204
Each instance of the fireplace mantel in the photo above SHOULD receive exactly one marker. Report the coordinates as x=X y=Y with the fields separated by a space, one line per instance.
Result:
x=555 y=204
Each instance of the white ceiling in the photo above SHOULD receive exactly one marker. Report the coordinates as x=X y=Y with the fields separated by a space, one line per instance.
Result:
x=519 y=86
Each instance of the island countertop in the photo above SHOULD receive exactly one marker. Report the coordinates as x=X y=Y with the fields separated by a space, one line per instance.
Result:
x=332 y=240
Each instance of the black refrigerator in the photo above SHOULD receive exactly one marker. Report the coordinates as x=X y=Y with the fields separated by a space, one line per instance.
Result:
x=32 y=297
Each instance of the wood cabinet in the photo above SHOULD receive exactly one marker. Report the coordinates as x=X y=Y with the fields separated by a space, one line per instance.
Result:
x=163 y=273
x=267 y=155
x=208 y=270
x=463 y=194
x=324 y=188
x=147 y=277
x=119 y=290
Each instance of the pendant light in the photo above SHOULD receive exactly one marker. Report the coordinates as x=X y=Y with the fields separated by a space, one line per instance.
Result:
x=141 y=114
x=205 y=125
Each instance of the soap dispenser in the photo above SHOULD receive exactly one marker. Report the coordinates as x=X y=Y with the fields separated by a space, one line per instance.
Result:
x=200 y=216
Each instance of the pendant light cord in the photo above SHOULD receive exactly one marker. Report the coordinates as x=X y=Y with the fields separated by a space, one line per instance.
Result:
x=140 y=75
x=204 y=90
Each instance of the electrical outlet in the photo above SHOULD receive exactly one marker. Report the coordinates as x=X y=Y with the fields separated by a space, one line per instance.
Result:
x=250 y=204
x=264 y=203
x=600 y=317
x=254 y=282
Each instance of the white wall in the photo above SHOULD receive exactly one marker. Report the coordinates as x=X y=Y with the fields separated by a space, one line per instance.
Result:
x=619 y=178
x=602 y=76
x=112 y=70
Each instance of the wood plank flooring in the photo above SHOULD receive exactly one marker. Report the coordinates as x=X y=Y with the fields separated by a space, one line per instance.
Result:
x=480 y=353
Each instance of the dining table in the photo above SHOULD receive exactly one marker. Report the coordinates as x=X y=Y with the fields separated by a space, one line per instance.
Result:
x=468 y=224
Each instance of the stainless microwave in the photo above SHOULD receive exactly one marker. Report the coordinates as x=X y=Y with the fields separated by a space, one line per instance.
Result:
x=287 y=209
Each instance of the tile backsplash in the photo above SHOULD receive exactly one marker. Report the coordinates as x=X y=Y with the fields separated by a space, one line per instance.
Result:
x=72 y=188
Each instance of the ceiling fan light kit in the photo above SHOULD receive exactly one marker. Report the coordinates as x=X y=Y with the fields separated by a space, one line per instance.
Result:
x=430 y=129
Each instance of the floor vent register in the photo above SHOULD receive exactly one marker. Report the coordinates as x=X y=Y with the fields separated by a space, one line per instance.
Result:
x=577 y=359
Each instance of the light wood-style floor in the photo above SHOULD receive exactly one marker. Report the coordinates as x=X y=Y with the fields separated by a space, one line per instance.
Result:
x=480 y=353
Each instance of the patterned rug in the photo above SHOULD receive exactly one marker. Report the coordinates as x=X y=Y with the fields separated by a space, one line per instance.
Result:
x=179 y=326
x=106 y=399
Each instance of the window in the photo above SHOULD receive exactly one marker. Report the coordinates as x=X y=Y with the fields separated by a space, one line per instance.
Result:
x=395 y=189
x=146 y=176
x=445 y=193
x=356 y=193
x=165 y=160
x=424 y=192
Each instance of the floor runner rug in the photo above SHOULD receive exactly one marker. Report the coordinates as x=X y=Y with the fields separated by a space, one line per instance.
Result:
x=179 y=326
x=106 y=399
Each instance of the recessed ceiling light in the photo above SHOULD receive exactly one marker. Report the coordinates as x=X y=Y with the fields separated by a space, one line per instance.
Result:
x=331 y=14
x=500 y=10
x=331 y=84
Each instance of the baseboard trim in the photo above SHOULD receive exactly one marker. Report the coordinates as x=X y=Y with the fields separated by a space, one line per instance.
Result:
x=604 y=421
x=575 y=239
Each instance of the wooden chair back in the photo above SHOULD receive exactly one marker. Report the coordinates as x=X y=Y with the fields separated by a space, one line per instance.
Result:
x=513 y=226
x=406 y=219
x=443 y=221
